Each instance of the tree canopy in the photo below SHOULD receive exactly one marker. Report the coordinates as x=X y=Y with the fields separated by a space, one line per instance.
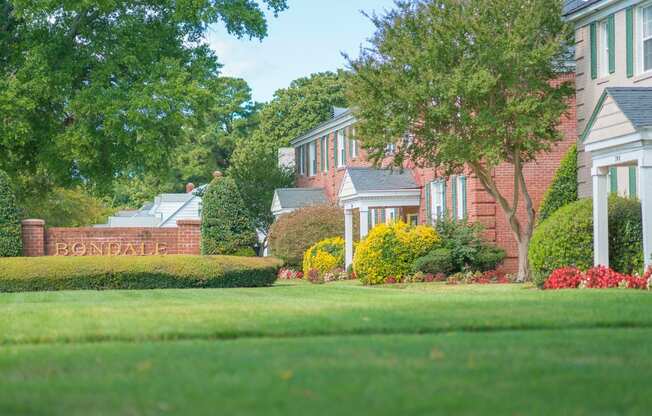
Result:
x=94 y=91
x=466 y=84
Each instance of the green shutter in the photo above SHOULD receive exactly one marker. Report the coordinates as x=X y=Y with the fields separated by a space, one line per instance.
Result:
x=335 y=150
x=297 y=159
x=443 y=192
x=611 y=30
x=454 y=196
x=344 y=137
x=383 y=217
x=630 y=42
x=463 y=190
x=328 y=160
x=613 y=180
x=349 y=142
x=594 y=50
x=369 y=226
x=632 y=182
x=428 y=203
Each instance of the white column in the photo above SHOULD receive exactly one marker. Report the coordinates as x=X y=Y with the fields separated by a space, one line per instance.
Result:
x=348 y=236
x=645 y=193
x=600 y=217
x=364 y=222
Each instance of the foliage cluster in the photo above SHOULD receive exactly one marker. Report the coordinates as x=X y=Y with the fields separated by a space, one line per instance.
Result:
x=563 y=189
x=566 y=238
x=596 y=278
x=10 y=230
x=154 y=272
x=226 y=226
x=325 y=256
x=390 y=250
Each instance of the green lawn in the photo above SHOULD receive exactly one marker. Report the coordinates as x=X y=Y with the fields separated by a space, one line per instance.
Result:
x=335 y=349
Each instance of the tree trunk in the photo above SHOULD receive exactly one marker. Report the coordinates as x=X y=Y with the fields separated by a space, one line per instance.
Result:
x=524 y=272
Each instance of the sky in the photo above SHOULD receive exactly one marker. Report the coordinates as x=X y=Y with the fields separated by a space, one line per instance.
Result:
x=309 y=37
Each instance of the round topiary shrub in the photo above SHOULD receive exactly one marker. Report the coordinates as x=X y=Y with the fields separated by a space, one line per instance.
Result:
x=325 y=256
x=292 y=234
x=440 y=260
x=563 y=189
x=390 y=250
x=10 y=233
x=566 y=238
x=226 y=227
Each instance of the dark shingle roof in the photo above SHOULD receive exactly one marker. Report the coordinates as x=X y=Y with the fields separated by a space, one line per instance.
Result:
x=371 y=179
x=572 y=6
x=635 y=103
x=301 y=197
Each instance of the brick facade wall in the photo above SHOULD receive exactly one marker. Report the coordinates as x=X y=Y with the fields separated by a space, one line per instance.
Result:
x=87 y=241
x=481 y=206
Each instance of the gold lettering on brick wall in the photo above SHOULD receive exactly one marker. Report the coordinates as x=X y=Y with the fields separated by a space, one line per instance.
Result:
x=111 y=248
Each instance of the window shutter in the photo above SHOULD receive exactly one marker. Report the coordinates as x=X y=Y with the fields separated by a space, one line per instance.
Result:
x=328 y=159
x=306 y=152
x=383 y=217
x=349 y=142
x=594 y=50
x=369 y=223
x=611 y=29
x=630 y=41
x=297 y=160
x=428 y=203
x=344 y=139
x=444 y=201
x=632 y=182
x=336 y=149
x=613 y=180
x=454 y=195
x=463 y=190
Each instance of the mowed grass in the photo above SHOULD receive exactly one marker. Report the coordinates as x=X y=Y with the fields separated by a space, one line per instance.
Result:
x=335 y=349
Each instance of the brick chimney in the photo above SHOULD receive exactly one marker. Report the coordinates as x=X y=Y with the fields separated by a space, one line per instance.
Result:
x=190 y=187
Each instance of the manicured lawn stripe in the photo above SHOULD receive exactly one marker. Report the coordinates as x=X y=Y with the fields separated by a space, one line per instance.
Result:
x=298 y=309
x=578 y=372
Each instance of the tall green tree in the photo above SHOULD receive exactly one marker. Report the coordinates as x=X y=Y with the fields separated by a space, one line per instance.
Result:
x=10 y=228
x=91 y=91
x=467 y=84
x=292 y=111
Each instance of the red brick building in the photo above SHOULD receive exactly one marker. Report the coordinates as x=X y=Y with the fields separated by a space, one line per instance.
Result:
x=331 y=166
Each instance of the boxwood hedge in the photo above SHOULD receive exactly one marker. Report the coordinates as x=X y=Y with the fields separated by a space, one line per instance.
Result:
x=163 y=272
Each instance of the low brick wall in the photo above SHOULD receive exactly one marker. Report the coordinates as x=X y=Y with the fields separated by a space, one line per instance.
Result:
x=88 y=241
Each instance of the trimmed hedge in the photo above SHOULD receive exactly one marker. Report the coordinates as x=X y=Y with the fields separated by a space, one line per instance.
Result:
x=563 y=189
x=154 y=272
x=10 y=232
x=566 y=238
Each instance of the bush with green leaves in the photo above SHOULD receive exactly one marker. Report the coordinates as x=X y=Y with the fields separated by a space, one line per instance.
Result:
x=563 y=189
x=226 y=226
x=149 y=272
x=566 y=238
x=469 y=251
x=10 y=230
x=292 y=234
x=437 y=261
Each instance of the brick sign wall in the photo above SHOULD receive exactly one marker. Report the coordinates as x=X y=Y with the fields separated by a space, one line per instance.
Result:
x=140 y=241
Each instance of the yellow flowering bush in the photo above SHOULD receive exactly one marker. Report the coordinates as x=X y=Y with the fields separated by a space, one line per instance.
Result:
x=390 y=249
x=325 y=256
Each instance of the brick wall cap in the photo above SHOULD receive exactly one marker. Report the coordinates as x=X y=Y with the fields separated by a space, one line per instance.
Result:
x=188 y=222
x=33 y=222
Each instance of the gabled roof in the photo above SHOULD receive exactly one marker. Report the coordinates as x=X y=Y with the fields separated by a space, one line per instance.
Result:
x=572 y=6
x=293 y=198
x=339 y=117
x=634 y=103
x=373 y=179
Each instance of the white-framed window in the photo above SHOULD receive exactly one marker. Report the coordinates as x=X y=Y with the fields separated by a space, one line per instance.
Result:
x=390 y=149
x=312 y=157
x=459 y=195
x=341 y=149
x=645 y=38
x=301 y=160
x=353 y=144
x=438 y=199
x=391 y=215
x=324 y=154
x=603 y=48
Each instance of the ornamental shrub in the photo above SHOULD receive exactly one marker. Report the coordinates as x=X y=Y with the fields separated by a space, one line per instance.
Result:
x=325 y=256
x=439 y=260
x=10 y=232
x=152 y=272
x=292 y=234
x=565 y=239
x=563 y=189
x=468 y=249
x=226 y=227
x=389 y=251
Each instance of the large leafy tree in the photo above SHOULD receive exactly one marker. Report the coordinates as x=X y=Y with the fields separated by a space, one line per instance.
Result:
x=91 y=91
x=467 y=84
x=292 y=111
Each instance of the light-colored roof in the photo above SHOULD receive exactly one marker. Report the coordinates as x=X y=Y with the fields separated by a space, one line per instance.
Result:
x=293 y=198
x=372 y=179
x=572 y=6
x=340 y=117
